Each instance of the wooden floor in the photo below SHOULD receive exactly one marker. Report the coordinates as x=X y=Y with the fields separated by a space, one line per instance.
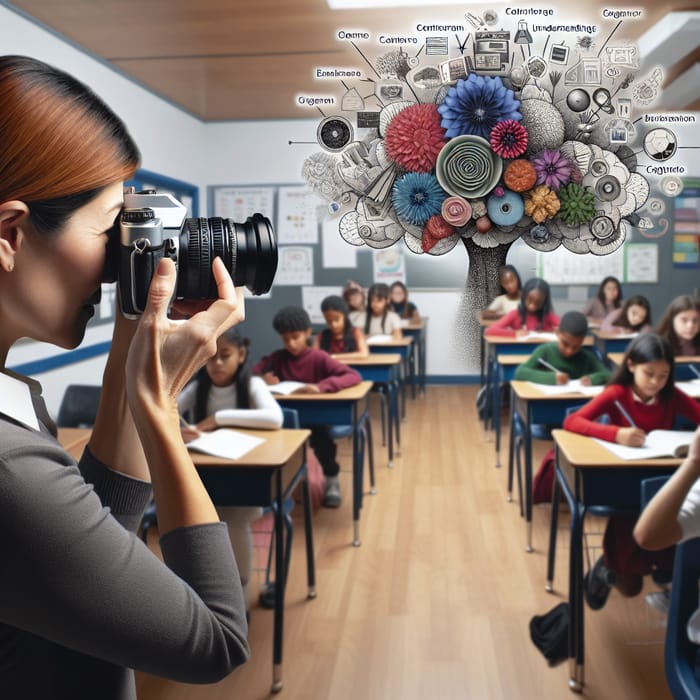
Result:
x=437 y=600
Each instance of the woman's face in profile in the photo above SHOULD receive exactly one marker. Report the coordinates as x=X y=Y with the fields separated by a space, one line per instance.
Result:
x=56 y=282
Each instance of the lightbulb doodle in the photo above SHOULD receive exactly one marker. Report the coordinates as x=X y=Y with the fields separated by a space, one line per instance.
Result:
x=522 y=133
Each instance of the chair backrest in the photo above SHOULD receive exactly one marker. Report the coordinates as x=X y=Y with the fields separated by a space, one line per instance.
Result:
x=679 y=652
x=79 y=406
x=290 y=418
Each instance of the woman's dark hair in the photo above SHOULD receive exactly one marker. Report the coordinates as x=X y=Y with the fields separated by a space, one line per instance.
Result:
x=60 y=144
x=647 y=347
x=636 y=300
x=336 y=303
x=502 y=270
x=665 y=327
x=403 y=312
x=241 y=378
x=381 y=291
x=536 y=284
x=601 y=291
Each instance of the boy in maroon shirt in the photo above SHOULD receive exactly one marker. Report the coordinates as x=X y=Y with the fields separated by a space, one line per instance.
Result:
x=320 y=374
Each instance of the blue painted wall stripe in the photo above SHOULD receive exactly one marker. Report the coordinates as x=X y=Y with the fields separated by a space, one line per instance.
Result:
x=67 y=358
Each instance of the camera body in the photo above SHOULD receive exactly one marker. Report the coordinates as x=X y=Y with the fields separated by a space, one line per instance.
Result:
x=152 y=226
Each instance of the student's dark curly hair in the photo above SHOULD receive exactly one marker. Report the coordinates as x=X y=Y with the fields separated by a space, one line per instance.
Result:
x=241 y=378
x=665 y=327
x=647 y=347
x=336 y=303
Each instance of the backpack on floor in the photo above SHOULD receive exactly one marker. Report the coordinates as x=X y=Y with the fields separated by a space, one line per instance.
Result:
x=543 y=481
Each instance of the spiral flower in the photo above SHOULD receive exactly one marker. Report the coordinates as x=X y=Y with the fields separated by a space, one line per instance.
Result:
x=541 y=204
x=509 y=139
x=577 y=204
x=456 y=211
x=552 y=168
x=476 y=105
x=416 y=197
x=414 y=138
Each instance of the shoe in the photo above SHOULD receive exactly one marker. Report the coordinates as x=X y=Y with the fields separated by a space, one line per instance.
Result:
x=597 y=584
x=661 y=577
x=660 y=601
x=267 y=596
x=331 y=493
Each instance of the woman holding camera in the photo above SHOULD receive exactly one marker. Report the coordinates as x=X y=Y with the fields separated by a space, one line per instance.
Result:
x=82 y=600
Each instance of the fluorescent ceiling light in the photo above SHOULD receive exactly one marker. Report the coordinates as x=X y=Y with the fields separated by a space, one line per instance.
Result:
x=371 y=4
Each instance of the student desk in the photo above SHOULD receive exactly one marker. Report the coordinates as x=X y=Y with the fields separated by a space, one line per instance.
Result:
x=687 y=366
x=590 y=475
x=417 y=331
x=483 y=325
x=608 y=342
x=535 y=406
x=345 y=407
x=265 y=476
x=383 y=369
x=403 y=348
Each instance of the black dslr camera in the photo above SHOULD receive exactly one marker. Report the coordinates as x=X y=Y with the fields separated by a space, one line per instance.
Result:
x=152 y=226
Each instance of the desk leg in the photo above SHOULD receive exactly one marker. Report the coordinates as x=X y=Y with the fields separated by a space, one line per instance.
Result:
x=358 y=449
x=397 y=422
x=489 y=393
x=576 y=632
x=309 y=536
x=527 y=447
x=552 y=551
x=496 y=375
x=278 y=623
x=367 y=427
x=389 y=397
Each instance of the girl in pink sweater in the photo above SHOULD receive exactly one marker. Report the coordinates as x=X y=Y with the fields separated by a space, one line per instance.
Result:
x=534 y=313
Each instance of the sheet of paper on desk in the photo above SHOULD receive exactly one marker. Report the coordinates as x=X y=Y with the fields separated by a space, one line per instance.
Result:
x=224 y=443
x=572 y=387
x=658 y=443
x=692 y=388
x=379 y=339
x=285 y=388
x=537 y=335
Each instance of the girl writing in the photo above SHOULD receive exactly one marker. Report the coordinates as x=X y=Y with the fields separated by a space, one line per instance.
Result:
x=534 y=313
x=608 y=298
x=378 y=319
x=634 y=316
x=640 y=397
x=225 y=394
x=401 y=305
x=680 y=325
x=340 y=339
x=509 y=295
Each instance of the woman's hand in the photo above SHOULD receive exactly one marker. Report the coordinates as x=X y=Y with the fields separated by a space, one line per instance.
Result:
x=165 y=353
x=561 y=378
x=632 y=437
x=207 y=425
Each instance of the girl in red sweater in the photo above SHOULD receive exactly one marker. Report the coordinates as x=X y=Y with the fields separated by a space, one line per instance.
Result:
x=641 y=390
x=534 y=313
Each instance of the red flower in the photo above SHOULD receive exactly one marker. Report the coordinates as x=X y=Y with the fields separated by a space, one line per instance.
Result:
x=414 y=138
x=435 y=230
x=508 y=139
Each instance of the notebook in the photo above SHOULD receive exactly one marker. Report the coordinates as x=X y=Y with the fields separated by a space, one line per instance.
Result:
x=658 y=443
x=224 y=443
x=285 y=388
x=572 y=387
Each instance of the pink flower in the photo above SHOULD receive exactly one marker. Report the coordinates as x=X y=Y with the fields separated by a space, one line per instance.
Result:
x=508 y=139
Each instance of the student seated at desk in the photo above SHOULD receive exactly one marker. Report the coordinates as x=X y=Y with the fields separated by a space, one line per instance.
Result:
x=534 y=313
x=673 y=515
x=608 y=298
x=407 y=310
x=224 y=394
x=511 y=289
x=341 y=340
x=320 y=373
x=680 y=325
x=354 y=296
x=634 y=316
x=378 y=318
x=640 y=397
x=566 y=356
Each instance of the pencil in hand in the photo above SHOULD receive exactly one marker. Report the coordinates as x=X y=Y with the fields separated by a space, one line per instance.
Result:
x=548 y=366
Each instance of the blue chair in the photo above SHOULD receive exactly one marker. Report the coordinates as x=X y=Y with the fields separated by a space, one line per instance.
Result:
x=680 y=654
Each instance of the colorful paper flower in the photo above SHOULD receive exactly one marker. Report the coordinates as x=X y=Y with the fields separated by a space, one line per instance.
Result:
x=552 y=168
x=520 y=175
x=541 y=204
x=416 y=197
x=476 y=105
x=436 y=228
x=414 y=138
x=577 y=204
x=508 y=139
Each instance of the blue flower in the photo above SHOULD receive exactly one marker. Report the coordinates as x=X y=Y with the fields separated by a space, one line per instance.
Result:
x=417 y=197
x=476 y=105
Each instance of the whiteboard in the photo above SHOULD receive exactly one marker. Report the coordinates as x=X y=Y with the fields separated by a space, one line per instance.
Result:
x=561 y=266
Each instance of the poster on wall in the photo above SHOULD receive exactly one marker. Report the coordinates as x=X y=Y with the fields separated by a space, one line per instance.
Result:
x=296 y=266
x=686 y=238
x=642 y=263
x=389 y=265
x=297 y=218
x=238 y=203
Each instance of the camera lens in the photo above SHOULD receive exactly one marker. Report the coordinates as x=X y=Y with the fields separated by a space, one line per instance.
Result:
x=248 y=250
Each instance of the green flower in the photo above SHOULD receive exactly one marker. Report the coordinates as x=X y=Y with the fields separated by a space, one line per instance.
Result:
x=577 y=204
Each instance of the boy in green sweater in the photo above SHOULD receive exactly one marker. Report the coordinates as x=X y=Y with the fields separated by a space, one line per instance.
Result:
x=560 y=362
